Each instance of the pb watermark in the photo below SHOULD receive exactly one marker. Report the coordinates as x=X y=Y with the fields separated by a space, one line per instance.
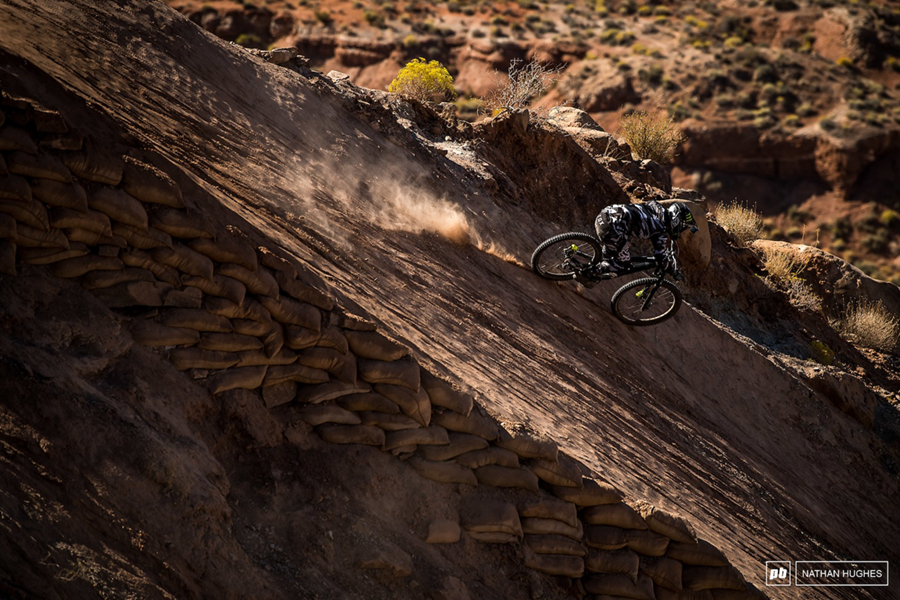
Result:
x=778 y=572
x=841 y=573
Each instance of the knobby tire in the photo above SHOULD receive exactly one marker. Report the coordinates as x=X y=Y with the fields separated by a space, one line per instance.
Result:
x=619 y=299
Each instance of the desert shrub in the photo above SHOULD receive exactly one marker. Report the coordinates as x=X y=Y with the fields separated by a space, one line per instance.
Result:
x=845 y=62
x=741 y=221
x=423 y=81
x=521 y=86
x=782 y=265
x=324 y=17
x=889 y=218
x=821 y=353
x=651 y=137
x=248 y=40
x=802 y=295
x=870 y=324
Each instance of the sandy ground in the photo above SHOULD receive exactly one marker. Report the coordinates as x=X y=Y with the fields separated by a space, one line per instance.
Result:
x=687 y=415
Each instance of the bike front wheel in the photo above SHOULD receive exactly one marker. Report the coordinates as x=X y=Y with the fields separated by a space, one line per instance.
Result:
x=565 y=255
x=646 y=301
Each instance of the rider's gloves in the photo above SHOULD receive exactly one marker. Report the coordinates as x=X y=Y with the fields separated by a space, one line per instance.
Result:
x=677 y=275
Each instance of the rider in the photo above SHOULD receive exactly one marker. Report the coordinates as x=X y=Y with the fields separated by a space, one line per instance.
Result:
x=616 y=223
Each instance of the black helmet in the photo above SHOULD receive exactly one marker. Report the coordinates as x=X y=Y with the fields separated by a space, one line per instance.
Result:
x=679 y=218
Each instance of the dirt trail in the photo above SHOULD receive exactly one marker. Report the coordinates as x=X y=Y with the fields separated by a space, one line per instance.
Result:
x=687 y=415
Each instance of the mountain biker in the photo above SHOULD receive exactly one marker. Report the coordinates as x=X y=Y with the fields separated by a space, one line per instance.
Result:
x=617 y=223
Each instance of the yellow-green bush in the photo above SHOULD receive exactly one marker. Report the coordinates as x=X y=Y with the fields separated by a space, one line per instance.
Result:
x=424 y=81
x=651 y=137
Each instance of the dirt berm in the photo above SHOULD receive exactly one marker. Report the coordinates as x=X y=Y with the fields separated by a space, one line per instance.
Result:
x=265 y=334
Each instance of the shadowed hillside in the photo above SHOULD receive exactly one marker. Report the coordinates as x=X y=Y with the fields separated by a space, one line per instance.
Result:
x=155 y=470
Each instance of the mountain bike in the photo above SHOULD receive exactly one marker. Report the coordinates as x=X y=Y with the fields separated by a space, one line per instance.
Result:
x=644 y=301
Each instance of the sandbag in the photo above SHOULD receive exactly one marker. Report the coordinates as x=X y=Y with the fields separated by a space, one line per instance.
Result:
x=421 y=436
x=323 y=392
x=149 y=333
x=277 y=395
x=227 y=249
x=341 y=366
x=185 y=224
x=273 y=340
x=248 y=309
x=33 y=237
x=258 y=282
x=148 y=184
x=373 y=345
x=133 y=293
x=332 y=337
x=290 y=312
x=493 y=537
x=498 y=476
x=144 y=239
x=592 y=493
x=488 y=456
x=371 y=402
x=664 y=572
x=646 y=542
x=443 y=531
x=460 y=443
x=528 y=444
x=617 y=515
x=251 y=327
x=118 y=206
x=299 y=338
x=412 y=404
x=91 y=220
x=95 y=166
x=28 y=212
x=78 y=266
x=15 y=188
x=555 y=564
x=38 y=165
x=7 y=227
x=562 y=472
x=484 y=515
x=229 y=342
x=184 y=298
x=244 y=378
x=197 y=319
x=442 y=472
x=666 y=523
x=294 y=372
x=184 y=259
x=47 y=256
x=708 y=578
x=351 y=434
x=219 y=285
x=701 y=553
x=548 y=507
x=92 y=238
x=59 y=194
x=475 y=423
x=138 y=258
x=399 y=372
x=623 y=562
x=15 y=139
x=96 y=280
x=198 y=358
x=620 y=585
x=445 y=395
x=605 y=537
x=298 y=290
x=351 y=322
x=319 y=414
x=8 y=257
x=253 y=358
x=555 y=544
x=538 y=526
x=388 y=421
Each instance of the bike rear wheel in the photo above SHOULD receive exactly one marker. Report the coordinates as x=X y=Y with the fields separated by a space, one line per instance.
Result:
x=632 y=303
x=565 y=255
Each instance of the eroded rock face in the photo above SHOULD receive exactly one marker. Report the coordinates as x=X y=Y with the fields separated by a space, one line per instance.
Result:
x=598 y=87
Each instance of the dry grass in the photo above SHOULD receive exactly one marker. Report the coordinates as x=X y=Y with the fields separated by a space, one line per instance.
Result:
x=522 y=84
x=871 y=325
x=651 y=137
x=782 y=265
x=741 y=221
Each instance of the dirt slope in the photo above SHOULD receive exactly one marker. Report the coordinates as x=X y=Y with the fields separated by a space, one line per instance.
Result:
x=688 y=415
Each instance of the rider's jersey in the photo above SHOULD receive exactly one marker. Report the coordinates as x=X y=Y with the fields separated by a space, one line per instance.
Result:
x=641 y=220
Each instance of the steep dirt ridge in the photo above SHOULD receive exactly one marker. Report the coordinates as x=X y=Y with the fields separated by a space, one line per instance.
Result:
x=690 y=416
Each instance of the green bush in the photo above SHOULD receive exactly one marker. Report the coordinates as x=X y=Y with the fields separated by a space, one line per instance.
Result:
x=249 y=40
x=821 y=353
x=424 y=81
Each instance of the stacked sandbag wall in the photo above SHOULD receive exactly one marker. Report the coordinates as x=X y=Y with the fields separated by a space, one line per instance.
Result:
x=235 y=315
